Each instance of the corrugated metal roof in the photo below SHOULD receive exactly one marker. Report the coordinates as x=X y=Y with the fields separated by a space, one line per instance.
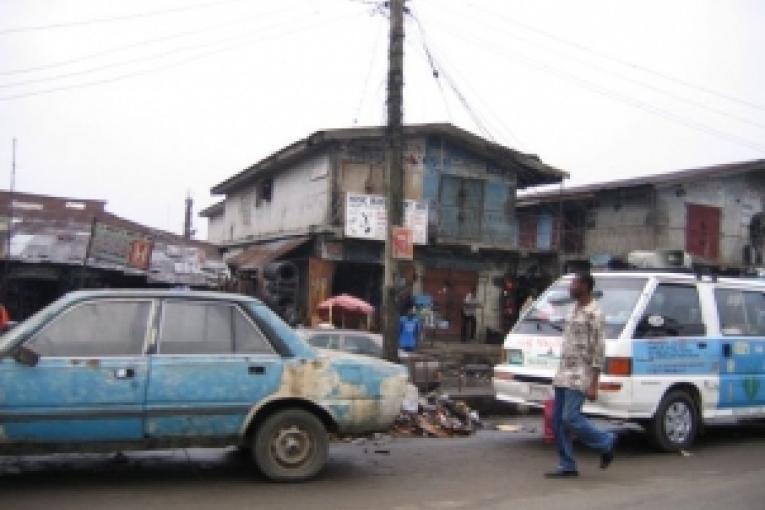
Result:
x=662 y=179
x=256 y=256
x=531 y=170
x=56 y=230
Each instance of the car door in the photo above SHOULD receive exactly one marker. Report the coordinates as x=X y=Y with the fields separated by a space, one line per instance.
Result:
x=211 y=366
x=671 y=344
x=742 y=364
x=90 y=381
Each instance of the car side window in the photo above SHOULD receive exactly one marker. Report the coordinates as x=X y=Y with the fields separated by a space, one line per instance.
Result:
x=742 y=313
x=196 y=328
x=95 y=329
x=673 y=311
x=247 y=338
x=358 y=344
x=325 y=341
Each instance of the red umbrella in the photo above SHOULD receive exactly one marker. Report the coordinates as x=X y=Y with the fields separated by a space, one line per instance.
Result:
x=347 y=303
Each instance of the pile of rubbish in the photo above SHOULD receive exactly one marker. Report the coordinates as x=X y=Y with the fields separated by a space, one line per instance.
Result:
x=436 y=416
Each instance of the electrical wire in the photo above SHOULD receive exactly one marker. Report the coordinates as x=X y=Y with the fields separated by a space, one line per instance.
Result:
x=113 y=19
x=433 y=67
x=164 y=67
x=372 y=61
x=137 y=44
x=643 y=83
x=510 y=134
x=441 y=71
x=155 y=56
x=622 y=61
x=636 y=103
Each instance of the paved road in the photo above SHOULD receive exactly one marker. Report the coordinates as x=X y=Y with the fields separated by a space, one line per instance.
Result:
x=492 y=470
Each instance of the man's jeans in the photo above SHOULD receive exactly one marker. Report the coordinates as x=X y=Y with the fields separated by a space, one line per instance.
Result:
x=568 y=422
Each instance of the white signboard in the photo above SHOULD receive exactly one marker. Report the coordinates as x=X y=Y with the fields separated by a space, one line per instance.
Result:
x=366 y=217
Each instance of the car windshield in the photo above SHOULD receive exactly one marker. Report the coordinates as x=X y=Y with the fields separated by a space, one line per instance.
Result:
x=617 y=298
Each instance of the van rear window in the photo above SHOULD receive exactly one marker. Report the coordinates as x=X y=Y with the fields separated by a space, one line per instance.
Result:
x=617 y=298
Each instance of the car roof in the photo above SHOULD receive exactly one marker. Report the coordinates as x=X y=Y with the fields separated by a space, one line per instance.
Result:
x=338 y=331
x=80 y=295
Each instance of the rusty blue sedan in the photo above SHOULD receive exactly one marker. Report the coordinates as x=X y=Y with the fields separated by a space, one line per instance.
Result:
x=148 y=369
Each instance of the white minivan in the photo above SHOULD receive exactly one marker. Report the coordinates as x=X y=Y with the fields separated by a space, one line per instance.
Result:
x=682 y=351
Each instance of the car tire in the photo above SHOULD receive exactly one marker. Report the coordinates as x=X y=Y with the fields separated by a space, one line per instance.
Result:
x=676 y=422
x=290 y=446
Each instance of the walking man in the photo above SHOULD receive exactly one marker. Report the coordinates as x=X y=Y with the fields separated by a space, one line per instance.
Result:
x=582 y=356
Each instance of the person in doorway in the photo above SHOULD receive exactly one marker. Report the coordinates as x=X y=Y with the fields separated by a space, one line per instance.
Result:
x=469 y=307
x=582 y=355
x=409 y=331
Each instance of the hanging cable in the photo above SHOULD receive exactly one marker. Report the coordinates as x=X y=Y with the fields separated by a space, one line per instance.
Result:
x=137 y=44
x=164 y=67
x=372 y=60
x=622 y=61
x=636 y=103
x=643 y=83
x=113 y=19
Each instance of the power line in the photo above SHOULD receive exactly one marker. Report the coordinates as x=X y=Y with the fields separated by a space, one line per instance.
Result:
x=146 y=42
x=619 y=60
x=636 y=103
x=372 y=60
x=643 y=83
x=165 y=66
x=155 y=56
x=113 y=19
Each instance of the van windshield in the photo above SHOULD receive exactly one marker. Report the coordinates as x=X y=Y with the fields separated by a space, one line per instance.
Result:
x=617 y=298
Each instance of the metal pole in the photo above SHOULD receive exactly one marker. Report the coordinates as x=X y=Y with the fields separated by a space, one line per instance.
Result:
x=394 y=177
x=9 y=236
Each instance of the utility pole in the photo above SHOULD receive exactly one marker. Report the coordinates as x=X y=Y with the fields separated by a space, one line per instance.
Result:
x=9 y=226
x=394 y=176
x=188 y=231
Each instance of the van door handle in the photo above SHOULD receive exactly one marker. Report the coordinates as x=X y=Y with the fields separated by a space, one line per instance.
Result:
x=124 y=373
x=702 y=345
x=256 y=369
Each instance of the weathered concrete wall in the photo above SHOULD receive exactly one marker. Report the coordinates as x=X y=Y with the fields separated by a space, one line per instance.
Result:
x=738 y=197
x=216 y=229
x=299 y=200
x=620 y=222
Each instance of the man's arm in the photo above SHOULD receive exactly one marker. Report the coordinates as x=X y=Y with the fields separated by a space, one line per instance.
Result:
x=597 y=353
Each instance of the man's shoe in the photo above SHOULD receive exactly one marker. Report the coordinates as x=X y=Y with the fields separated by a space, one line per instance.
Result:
x=608 y=457
x=560 y=473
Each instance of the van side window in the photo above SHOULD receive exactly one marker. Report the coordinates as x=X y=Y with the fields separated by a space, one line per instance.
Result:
x=742 y=313
x=674 y=310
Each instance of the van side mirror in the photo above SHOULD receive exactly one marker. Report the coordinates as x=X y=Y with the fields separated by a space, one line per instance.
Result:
x=25 y=356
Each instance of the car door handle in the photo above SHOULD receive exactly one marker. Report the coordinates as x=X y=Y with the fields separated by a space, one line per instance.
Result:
x=124 y=373
x=256 y=369
x=702 y=345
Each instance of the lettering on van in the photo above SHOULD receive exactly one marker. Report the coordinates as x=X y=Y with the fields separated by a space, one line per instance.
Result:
x=672 y=357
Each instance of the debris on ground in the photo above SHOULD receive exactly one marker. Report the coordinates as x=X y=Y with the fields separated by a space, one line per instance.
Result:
x=506 y=427
x=437 y=416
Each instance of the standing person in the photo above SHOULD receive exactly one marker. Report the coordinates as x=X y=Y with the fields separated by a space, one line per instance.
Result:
x=469 y=307
x=577 y=378
x=409 y=331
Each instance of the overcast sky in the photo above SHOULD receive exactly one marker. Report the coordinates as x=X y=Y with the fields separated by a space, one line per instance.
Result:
x=140 y=102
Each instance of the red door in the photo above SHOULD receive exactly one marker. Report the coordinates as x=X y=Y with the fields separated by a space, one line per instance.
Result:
x=702 y=231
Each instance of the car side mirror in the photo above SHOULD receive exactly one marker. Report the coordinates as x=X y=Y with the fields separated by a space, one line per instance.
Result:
x=25 y=356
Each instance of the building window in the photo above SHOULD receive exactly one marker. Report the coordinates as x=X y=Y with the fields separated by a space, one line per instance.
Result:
x=264 y=190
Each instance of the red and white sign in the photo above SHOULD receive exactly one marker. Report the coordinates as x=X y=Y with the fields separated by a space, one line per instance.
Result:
x=403 y=243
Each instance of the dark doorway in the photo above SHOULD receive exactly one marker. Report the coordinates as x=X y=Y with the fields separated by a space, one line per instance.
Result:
x=363 y=281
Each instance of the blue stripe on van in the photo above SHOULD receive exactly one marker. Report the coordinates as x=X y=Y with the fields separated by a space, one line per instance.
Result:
x=739 y=362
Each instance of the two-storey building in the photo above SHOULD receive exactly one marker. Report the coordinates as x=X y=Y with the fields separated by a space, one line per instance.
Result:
x=319 y=203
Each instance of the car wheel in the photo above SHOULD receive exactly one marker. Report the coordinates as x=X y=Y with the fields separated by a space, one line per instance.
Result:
x=676 y=422
x=290 y=446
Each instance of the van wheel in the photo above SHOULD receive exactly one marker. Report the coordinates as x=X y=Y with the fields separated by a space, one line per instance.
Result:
x=290 y=446
x=676 y=422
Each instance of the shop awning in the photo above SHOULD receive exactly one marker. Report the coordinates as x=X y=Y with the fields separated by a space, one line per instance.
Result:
x=257 y=256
